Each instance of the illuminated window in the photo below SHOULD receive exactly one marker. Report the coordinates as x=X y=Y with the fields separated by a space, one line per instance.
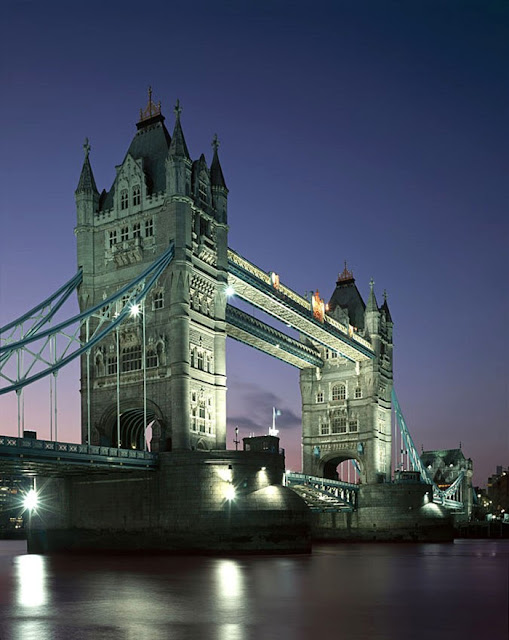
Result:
x=353 y=425
x=136 y=230
x=136 y=195
x=358 y=392
x=339 y=423
x=111 y=365
x=124 y=234
x=131 y=358
x=124 y=200
x=158 y=301
x=149 y=228
x=339 y=392
x=113 y=237
x=319 y=396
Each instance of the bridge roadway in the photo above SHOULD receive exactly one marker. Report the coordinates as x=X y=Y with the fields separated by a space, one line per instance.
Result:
x=256 y=287
x=31 y=457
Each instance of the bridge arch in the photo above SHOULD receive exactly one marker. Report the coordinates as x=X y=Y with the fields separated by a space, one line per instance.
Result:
x=132 y=427
x=329 y=463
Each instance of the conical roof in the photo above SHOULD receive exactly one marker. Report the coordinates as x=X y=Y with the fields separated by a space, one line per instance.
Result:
x=216 y=173
x=347 y=296
x=178 y=146
x=372 y=303
x=86 y=182
x=385 y=308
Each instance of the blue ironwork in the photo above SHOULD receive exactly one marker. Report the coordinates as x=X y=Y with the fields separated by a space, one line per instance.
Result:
x=335 y=494
x=26 y=454
x=137 y=290
x=440 y=496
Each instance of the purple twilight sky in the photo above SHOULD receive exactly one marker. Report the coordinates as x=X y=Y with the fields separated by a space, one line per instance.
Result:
x=372 y=132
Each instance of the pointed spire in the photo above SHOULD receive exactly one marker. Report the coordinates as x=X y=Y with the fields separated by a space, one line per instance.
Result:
x=372 y=303
x=86 y=182
x=385 y=307
x=151 y=110
x=345 y=275
x=216 y=173
x=178 y=145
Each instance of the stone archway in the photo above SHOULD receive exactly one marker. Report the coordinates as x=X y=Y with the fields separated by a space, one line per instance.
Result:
x=342 y=465
x=132 y=427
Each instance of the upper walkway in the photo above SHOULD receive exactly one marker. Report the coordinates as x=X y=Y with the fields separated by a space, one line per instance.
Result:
x=261 y=290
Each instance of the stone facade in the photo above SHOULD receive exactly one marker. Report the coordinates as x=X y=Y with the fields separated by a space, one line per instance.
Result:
x=159 y=196
x=346 y=406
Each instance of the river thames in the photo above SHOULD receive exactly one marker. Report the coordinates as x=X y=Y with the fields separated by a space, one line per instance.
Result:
x=349 y=591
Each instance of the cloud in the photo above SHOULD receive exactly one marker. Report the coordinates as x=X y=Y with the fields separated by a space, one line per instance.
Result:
x=251 y=409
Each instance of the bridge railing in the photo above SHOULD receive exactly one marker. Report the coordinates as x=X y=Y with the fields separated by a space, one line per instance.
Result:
x=73 y=448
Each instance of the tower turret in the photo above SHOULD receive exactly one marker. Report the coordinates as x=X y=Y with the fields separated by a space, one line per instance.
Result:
x=178 y=161
x=218 y=184
x=372 y=318
x=87 y=204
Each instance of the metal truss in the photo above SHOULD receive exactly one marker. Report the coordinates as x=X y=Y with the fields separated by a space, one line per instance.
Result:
x=447 y=497
x=245 y=328
x=43 y=351
x=255 y=286
x=322 y=494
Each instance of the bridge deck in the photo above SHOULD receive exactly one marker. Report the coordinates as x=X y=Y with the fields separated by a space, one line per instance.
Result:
x=30 y=457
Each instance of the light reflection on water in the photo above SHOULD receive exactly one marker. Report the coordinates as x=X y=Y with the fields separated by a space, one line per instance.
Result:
x=350 y=592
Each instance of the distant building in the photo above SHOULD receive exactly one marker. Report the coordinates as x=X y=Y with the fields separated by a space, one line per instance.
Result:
x=445 y=466
x=11 y=504
x=498 y=491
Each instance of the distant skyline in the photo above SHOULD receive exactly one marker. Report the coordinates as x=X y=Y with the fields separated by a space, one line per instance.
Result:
x=372 y=132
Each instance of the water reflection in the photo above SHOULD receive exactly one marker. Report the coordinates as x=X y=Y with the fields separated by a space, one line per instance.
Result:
x=31 y=584
x=230 y=586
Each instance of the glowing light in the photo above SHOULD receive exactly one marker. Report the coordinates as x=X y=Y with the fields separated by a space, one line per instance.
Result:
x=230 y=291
x=229 y=492
x=225 y=473
x=263 y=468
x=135 y=310
x=30 y=501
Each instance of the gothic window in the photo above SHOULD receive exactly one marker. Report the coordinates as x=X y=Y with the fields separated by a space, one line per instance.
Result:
x=152 y=359
x=113 y=237
x=136 y=230
x=200 y=360
x=209 y=363
x=149 y=227
x=193 y=419
x=201 y=417
x=111 y=367
x=338 y=422
x=353 y=424
x=319 y=396
x=158 y=300
x=327 y=354
x=204 y=227
x=136 y=195
x=358 y=392
x=334 y=354
x=324 y=429
x=124 y=200
x=193 y=396
x=202 y=191
x=124 y=234
x=339 y=392
x=131 y=358
x=193 y=358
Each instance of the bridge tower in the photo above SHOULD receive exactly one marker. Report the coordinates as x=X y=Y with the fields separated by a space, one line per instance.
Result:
x=346 y=406
x=159 y=196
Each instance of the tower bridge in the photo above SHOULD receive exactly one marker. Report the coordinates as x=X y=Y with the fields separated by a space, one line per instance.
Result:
x=156 y=281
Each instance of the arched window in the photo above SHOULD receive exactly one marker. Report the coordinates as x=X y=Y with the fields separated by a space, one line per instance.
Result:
x=339 y=392
x=136 y=195
x=124 y=234
x=124 y=199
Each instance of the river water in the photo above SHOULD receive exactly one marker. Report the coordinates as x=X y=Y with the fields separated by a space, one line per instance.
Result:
x=340 y=592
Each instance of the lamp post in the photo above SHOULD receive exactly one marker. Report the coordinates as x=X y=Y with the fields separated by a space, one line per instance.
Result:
x=236 y=439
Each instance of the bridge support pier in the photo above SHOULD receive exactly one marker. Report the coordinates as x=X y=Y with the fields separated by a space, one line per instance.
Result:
x=195 y=502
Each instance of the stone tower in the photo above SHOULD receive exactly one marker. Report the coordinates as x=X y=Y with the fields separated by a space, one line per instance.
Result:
x=346 y=406
x=159 y=196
